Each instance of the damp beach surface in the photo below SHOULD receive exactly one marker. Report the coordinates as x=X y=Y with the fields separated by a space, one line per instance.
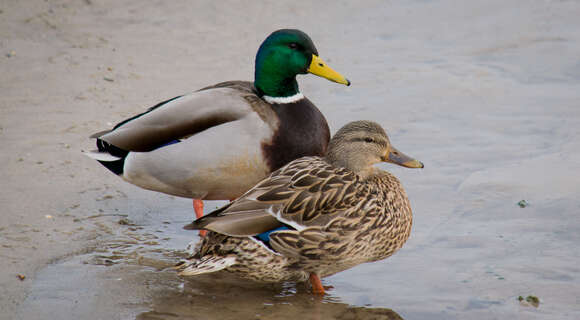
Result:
x=485 y=94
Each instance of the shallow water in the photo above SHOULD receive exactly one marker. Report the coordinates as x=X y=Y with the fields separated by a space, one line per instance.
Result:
x=453 y=275
x=131 y=273
x=485 y=94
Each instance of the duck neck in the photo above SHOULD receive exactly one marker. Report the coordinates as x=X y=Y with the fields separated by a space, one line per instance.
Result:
x=274 y=86
x=362 y=167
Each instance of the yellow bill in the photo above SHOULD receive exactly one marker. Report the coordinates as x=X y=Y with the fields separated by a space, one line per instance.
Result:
x=321 y=69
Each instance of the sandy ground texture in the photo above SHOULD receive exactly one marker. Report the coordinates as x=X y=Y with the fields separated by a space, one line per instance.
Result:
x=486 y=94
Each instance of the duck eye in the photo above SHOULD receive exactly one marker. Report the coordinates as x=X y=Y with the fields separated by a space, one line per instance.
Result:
x=369 y=140
x=292 y=45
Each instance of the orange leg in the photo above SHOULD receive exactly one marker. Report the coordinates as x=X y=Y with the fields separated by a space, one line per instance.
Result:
x=198 y=208
x=317 y=287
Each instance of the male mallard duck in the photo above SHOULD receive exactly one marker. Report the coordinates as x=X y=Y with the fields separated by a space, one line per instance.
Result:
x=218 y=142
x=314 y=217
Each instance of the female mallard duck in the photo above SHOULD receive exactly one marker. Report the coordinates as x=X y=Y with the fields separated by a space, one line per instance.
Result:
x=218 y=142
x=314 y=217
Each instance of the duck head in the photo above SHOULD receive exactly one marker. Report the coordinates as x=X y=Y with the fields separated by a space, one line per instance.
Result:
x=361 y=144
x=283 y=55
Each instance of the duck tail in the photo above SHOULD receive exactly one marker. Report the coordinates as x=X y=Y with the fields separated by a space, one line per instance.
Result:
x=109 y=161
x=206 y=264
x=108 y=155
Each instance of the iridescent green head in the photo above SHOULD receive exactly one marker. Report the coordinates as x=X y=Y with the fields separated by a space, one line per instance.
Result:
x=283 y=55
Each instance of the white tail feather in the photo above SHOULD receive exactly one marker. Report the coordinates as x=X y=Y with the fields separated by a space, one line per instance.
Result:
x=100 y=156
x=207 y=264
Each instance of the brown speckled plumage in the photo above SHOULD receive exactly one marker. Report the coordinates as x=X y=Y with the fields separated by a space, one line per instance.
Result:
x=339 y=216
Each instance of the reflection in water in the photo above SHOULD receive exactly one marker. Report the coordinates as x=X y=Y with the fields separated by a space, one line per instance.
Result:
x=224 y=297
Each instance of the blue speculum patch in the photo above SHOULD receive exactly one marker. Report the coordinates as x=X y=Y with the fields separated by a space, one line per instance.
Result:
x=265 y=236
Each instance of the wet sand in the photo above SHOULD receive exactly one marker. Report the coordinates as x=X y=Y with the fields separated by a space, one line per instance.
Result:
x=485 y=94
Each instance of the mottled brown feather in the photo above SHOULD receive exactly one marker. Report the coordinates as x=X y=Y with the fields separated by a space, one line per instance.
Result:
x=341 y=219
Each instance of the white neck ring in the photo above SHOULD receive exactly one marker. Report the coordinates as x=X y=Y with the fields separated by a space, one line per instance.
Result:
x=283 y=100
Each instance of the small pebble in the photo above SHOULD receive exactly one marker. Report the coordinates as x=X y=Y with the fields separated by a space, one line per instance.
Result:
x=533 y=300
x=125 y=222
x=529 y=300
